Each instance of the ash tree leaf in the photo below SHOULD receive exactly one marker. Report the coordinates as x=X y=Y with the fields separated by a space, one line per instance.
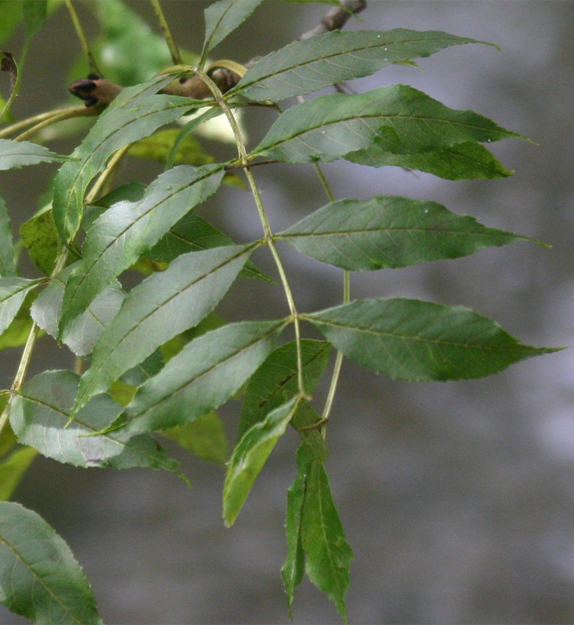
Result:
x=463 y=161
x=124 y=232
x=161 y=307
x=205 y=438
x=7 y=266
x=193 y=234
x=389 y=231
x=276 y=380
x=403 y=120
x=42 y=410
x=134 y=114
x=13 y=291
x=39 y=577
x=312 y=64
x=201 y=377
x=15 y=154
x=158 y=147
x=294 y=568
x=222 y=18
x=417 y=341
x=40 y=238
x=83 y=332
x=250 y=455
x=13 y=468
x=328 y=554
x=306 y=421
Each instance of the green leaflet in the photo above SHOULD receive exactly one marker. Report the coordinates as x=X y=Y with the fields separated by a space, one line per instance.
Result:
x=317 y=62
x=161 y=307
x=421 y=341
x=13 y=291
x=40 y=238
x=204 y=375
x=249 y=456
x=40 y=415
x=193 y=234
x=222 y=18
x=39 y=577
x=205 y=438
x=13 y=468
x=464 y=161
x=35 y=14
x=134 y=114
x=15 y=154
x=406 y=121
x=389 y=231
x=328 y=554
x=276 y=380
x=7 y=267
x=82 y=333
x=315 y=536
x=158 y=147
x=127 y=230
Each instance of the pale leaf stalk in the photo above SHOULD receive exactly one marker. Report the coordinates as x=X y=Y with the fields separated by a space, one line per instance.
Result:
x=55 y=117
x=264 y=222
x=175 y=55
x=84 y=42
x=30 y=121
x=346 y=300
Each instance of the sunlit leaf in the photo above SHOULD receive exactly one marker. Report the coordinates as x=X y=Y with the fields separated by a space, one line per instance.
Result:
x=17 y=333
x=128 y=229
x=15 y=154
x=249 y=456
x=203 y=376
x=13 y=468
x=390 y=231
x=403 y=120
x=317 y=62
x=7 y=267
x=421 y=341
x=158 y=148
x=39 y=577
x=276 y=379
x=13 y=291
x=40 y=415
x=83 y=332
x=205 y=438
x=161 y=307
x=222 y=18
x=464 y=161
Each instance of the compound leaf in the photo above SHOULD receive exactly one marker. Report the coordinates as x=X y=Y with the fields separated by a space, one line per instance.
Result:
x=421 y=341
x=205 y=438
x=39 y=577
x=391 y=232
x=7 y=266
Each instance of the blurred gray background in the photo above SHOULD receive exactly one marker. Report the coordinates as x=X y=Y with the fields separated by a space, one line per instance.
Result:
x=457 y=498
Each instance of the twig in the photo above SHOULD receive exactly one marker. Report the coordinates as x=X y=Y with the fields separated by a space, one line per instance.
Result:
x=336 y=18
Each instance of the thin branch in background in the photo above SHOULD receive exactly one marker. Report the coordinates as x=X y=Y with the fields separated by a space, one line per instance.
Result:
x=336 y=18
x=175 y=55
x=85 y=46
